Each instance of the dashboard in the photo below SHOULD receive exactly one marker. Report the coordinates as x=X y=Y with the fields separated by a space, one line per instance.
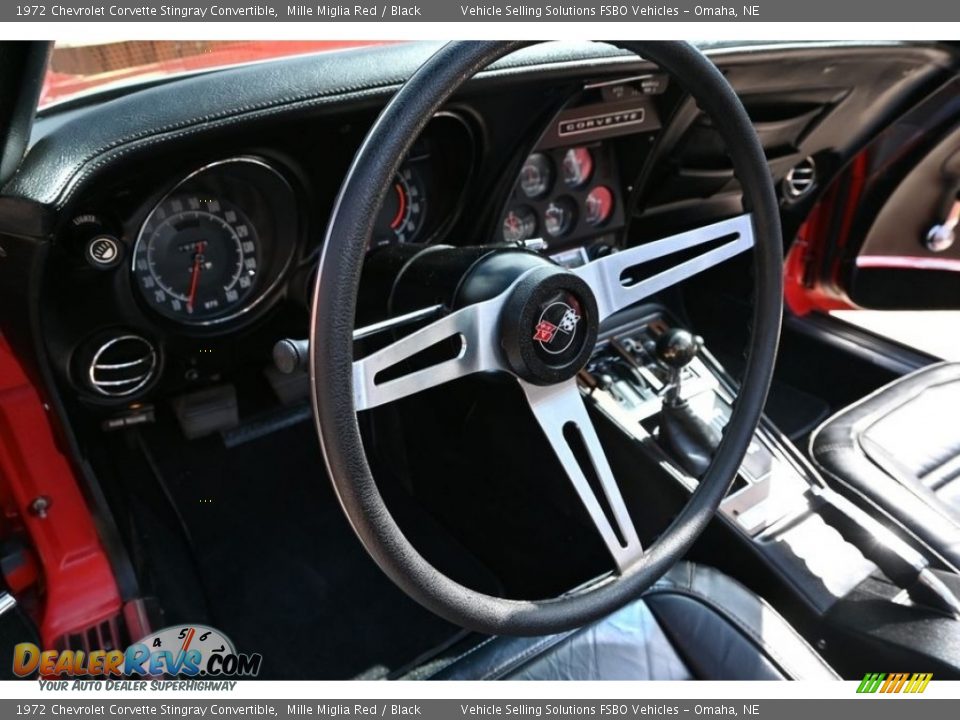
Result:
x=175 y=265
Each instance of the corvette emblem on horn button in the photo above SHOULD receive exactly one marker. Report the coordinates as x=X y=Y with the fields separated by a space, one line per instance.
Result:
x=556 y=328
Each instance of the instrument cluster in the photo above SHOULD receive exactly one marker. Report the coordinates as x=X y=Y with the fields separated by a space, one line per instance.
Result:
x=564 y=196
x=217 y=244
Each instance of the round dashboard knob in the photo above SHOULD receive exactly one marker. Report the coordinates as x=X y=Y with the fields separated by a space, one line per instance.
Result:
x=103 y=252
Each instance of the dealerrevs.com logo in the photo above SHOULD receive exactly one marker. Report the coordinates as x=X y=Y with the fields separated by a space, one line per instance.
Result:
x=189 y=651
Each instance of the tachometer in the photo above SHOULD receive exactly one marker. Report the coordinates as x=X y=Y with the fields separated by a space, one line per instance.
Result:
x=402 y=216
x=196 y=259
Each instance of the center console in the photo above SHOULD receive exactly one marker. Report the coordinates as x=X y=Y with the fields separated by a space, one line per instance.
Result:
x=628 y=384
x=827 y=553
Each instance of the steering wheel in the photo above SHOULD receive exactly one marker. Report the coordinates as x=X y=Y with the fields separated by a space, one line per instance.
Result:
x=539 y=325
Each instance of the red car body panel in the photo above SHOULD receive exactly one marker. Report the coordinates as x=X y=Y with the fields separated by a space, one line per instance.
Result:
x=811 y=280
x=76 y=578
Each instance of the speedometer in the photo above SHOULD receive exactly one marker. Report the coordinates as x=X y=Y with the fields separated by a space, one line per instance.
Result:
x=197 y=259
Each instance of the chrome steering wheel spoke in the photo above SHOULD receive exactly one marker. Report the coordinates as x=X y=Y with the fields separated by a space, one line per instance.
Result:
x=381 y=377
x=608 y=277
x=562 y=415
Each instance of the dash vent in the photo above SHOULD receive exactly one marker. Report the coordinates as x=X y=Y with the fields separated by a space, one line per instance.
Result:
x=122 y=366
x=800 y=179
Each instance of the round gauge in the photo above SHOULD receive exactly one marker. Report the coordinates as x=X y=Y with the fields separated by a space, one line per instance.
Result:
x=577 y=166
x=183 y=638
x=599 y=205
x=196 y=259
x=520 y=224
x=404 y=209
x=560 y=216
x=536 y=176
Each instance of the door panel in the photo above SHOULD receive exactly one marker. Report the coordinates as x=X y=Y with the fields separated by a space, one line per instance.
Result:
x=910 y=257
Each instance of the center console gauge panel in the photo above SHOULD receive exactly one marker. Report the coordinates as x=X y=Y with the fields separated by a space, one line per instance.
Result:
x=565 y=196
x=569 y=193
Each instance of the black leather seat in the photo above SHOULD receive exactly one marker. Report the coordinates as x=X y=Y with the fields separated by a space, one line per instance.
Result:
x=898 y=451
x=696 y=623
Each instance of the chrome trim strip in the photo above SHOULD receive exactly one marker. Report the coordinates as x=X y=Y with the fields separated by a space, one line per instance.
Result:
x=7 y=603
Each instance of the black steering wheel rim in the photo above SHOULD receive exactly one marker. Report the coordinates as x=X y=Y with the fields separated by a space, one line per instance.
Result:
x=332 y=325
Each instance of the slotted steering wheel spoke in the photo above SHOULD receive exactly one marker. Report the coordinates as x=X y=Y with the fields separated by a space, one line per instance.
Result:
x=561 y=412
x=458 y=344
x=611 y=277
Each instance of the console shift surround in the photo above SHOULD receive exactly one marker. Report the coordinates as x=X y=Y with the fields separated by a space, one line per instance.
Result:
x=779 y=503
x=684 y=435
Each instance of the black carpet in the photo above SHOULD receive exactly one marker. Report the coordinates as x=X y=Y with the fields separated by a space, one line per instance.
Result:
x=282 y=571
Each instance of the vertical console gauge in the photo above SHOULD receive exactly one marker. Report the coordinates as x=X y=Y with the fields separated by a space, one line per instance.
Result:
x=577 y=167
x=520 y=224
x=599 y=204
x=536 y=176
x=559 y=217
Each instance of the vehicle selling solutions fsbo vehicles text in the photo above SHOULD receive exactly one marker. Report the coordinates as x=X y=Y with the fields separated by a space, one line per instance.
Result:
x=601 y=11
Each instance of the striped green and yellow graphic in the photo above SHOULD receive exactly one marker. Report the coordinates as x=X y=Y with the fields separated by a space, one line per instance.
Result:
x=894 y=682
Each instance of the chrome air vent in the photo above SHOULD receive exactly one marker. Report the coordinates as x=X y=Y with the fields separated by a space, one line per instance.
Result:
x=800 y=179
x=122 y=366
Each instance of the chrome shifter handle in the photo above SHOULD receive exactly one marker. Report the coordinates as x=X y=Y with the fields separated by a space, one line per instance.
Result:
x=675 y=349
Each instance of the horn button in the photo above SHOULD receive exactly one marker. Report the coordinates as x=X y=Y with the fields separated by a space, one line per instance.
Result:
x=548 y=326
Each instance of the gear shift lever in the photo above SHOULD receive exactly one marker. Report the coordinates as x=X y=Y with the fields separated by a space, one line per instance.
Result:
x=683 y=434
x=675 y=349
